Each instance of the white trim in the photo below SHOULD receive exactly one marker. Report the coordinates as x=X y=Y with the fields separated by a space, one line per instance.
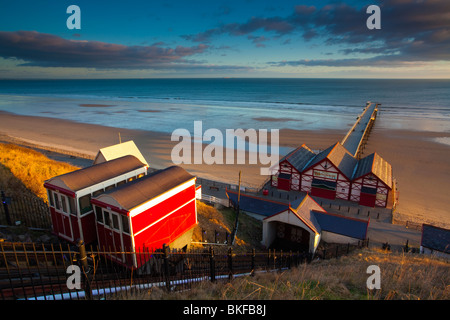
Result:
x=106 y=183
x=162 y=197
x=162 y=218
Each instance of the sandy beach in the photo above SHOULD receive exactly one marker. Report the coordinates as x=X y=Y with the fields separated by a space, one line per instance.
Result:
x=419 y=163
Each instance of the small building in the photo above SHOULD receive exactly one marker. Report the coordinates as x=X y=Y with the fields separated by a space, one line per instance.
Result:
x=119 y=150
x=372 y=181
x=288 y=175
x=328 y=175
x=305 y=223
x=70 y=195
x=300 y=225
x=294 y=228
x=143 y=215
x=435 y=241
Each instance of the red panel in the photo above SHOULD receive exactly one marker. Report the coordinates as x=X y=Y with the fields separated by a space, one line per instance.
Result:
x=367 y=199
x=284 y=184
x=167 y=230
x=55 y=220
x=327 y=194
x=158 y=211
x=88 y=226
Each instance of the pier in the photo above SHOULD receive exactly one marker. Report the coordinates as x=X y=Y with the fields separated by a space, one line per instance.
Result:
x=358 y=134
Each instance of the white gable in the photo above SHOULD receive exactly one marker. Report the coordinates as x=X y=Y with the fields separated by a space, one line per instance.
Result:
x=119 y=150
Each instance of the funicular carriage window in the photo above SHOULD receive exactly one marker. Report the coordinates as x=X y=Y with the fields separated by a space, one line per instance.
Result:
x=115 y=222
x=125 y=225
x=107 y=219
x=99 y=214
x=72 y=208
x=85 y=204
x=63 y=203
x=98 y=192
x=121 y=183
x=50 y=198
x=56 y=201
x=110 y=187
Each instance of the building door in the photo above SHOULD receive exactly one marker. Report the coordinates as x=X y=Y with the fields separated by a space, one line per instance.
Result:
x=64 y=220
x=368 y=197
x=284 y=181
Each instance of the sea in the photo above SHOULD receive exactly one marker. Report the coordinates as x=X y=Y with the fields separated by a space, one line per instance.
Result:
x=165 y=105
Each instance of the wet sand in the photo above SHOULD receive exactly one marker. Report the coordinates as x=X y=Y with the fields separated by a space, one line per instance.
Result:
x=420 y=164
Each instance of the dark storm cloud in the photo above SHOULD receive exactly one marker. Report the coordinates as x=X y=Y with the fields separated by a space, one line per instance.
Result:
x=412 y=30
x=40 y=49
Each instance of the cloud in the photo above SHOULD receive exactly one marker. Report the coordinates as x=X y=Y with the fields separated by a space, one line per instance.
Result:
x=41 y=49
x=413 y=30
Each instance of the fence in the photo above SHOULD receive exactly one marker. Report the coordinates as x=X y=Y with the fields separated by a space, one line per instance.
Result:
x=45 y=272
x=29 y=211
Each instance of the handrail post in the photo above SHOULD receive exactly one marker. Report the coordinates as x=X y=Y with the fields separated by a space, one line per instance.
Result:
x=85 y=266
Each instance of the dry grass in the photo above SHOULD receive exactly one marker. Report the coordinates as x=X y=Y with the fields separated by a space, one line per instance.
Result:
x=30 y=167
x=403 y=277
x=212 y=219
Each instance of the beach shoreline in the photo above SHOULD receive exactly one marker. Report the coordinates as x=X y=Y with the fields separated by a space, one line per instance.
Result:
x=420 y=163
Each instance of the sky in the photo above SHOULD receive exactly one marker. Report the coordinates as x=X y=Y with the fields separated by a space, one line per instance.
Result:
x=245 y=38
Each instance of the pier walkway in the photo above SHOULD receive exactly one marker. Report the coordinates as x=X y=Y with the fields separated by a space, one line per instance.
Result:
x=358 y=134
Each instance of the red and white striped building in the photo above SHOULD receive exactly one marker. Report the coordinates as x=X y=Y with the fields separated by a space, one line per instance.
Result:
x=372 y=181
x=329 y=174
x=290 y=168
x=334 y=173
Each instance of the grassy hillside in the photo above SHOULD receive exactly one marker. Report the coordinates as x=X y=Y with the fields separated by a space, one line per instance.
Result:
x=30 y=167
x=403 y=277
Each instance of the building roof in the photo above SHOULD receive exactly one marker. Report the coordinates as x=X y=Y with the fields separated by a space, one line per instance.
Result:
x=119 y=150
x=435 y=238
x=349 y=227
x=339 y=157
x=299 y=157
x=376 y=165
x=137 y=192
x=256 y=205
x=303 y=208
x=89 y=176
